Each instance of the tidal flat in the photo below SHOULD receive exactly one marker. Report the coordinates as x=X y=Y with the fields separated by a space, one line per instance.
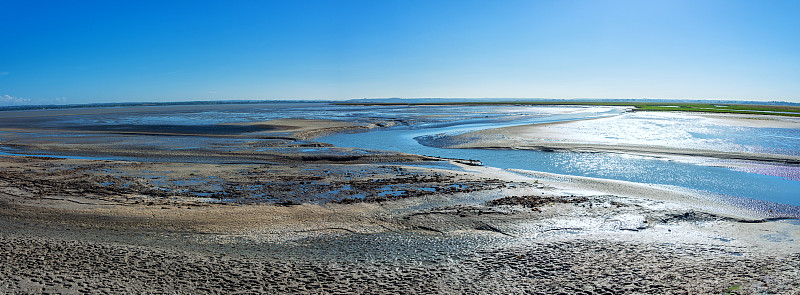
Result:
x=320 y=198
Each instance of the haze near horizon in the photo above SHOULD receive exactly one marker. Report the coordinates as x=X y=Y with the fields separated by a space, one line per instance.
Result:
x=96 y=52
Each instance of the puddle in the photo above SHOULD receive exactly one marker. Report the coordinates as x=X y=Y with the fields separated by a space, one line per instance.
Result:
x=392 y=193
x=723 y=239
x=777 y=238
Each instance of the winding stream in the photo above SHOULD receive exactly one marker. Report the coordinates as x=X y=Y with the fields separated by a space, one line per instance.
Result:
x=640 y=169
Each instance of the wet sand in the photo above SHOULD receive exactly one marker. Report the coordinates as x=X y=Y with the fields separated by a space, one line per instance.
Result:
x=455 y=242
x=295 y=216
x=570 y=267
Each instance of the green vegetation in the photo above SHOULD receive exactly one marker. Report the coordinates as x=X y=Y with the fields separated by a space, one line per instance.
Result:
x=778 y=110
x=732 y=290
x=731 y=108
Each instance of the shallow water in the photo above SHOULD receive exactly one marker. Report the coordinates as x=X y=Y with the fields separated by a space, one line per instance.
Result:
x=600 y=165
x=738 y=181
x=682 y=130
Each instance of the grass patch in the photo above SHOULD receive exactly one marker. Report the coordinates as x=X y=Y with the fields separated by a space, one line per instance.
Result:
x=729 y=108
x=732 y=290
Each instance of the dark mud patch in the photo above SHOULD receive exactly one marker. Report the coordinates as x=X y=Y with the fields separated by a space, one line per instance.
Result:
x=132 y=183
x=462 y=211
x=163 y=129
x=534 y=202
x=412 y=187
x=458 y=218
x=697 y=216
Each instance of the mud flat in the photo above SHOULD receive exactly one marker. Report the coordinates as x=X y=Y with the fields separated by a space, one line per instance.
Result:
x=277 y=212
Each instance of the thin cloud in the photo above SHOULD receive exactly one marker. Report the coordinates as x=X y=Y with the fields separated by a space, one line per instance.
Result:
x=212 y=92
x=3 y=73
x=9 y=100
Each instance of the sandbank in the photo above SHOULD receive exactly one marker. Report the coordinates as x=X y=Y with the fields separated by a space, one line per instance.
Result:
x=564 y=136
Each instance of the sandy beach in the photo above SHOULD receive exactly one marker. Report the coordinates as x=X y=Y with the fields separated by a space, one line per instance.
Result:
x=304 y=217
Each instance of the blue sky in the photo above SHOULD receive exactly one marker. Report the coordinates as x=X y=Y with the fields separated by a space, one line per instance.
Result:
x=109 y=51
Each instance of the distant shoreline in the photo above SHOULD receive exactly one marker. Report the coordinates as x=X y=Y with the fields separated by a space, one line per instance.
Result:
x=154 y=104
x=778 y=108
x=750 y=109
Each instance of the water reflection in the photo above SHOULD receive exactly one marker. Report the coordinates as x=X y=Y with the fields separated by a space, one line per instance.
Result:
x=676 y=130
x=710 y=176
